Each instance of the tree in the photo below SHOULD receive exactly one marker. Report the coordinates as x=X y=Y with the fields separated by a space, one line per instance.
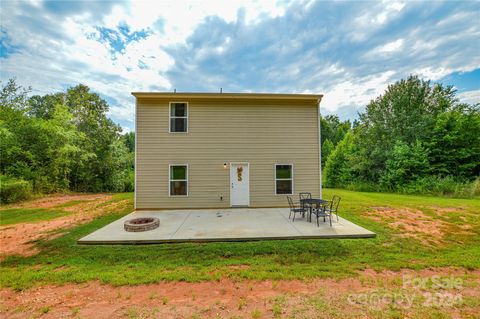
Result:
x=61 y=147
x=327 y=149
x=406 y=112
x=405 y=163
x=13 y=97
x=62 y=141
x=454 y=144
x=332 y=132
x=414 y=132
x=338 y=172
x=90 y=117
x=45 y=106
x=18 y=132
x=129 y=139
x=333 y=129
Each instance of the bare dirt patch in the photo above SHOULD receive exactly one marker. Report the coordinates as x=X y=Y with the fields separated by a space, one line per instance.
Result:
x=318 y=298
x=411 y=223
x=19 y=239
x=440 y=210
x=239 y=267
x=59 y=199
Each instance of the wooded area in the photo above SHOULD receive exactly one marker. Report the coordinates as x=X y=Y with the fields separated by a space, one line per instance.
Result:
x=59 y=142
x=415 y=138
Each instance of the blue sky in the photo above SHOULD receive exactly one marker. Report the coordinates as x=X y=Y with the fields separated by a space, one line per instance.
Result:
x=347 y=50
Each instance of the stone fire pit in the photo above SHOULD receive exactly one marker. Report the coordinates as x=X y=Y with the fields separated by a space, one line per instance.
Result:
x=141 y=224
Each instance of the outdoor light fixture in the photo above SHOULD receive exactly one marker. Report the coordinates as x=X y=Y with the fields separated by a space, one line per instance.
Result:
x=225 y=165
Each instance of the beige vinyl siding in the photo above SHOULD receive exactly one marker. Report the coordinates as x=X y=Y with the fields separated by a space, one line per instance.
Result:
x=261 y=133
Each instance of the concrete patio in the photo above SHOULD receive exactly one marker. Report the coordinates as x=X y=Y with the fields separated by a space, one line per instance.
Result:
x=239 y=224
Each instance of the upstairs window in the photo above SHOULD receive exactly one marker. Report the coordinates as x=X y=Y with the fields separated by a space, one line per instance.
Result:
x=178 y=180
x=283 y=179
x=178 y=117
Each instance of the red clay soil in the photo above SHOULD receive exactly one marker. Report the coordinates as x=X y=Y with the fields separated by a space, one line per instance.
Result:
x=215 y=299
x=59 y=199
x=18 y=239
x=440 y=210
x=411 y=223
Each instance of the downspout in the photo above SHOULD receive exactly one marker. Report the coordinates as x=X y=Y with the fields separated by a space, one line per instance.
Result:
x=319 y=148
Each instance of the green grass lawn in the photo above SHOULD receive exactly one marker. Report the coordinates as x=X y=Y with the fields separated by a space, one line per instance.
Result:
x=61 y=260
x=10 y=216
x=23 y=215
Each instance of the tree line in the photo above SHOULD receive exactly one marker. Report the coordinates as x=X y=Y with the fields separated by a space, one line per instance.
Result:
x=415 y=138
x=61 y=142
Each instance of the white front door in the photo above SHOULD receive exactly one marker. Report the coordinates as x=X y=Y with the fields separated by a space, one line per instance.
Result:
x=239 y=185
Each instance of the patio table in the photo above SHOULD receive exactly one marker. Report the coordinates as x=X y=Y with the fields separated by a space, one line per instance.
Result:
x=312 y=202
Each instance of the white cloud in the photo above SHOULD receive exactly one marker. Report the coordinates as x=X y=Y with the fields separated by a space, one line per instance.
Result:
x=433 y=73
x=124 y=113
x=384 y=50
x=396 y=6
x=357 y=91
x=470 y=97
x=349 y=51
x=180 y=18
x=377 y=15
x=48 y=62
x=390 y=9
x=390 y=46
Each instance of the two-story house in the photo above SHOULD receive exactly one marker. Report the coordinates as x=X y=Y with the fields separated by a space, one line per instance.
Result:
x=217 y=150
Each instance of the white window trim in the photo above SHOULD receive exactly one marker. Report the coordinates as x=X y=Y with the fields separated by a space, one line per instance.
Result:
x=180 y=117
x=170 y=179
x=275 y=179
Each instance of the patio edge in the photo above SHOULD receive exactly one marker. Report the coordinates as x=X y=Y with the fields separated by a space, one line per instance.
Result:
x=209 y=240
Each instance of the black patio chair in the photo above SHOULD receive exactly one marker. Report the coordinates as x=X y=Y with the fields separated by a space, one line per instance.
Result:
x=320 y=210
x=294 y=209
x=334 y=203
x=303 y=196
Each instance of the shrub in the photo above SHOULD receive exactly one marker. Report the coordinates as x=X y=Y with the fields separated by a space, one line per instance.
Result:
x=129 y=181
x=470 y=189
x=476 y=186
x=13 y=190
x=442 y=186
x=429 y=185
x=41 y=184
x=365 y=187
